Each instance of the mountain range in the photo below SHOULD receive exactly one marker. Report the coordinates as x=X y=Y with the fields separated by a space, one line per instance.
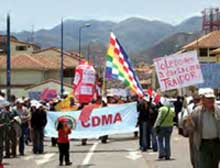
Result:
x=142 y=39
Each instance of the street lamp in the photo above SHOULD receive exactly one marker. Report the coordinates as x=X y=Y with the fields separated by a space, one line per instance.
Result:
x=80 y=29
x=89 y=50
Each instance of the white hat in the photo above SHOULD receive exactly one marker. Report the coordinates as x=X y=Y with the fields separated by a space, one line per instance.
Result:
x=38 y=105
x=146 y=98
x=66 y=93
x=201 y=91
x=4 y=103
x=209 y=93
x=17 y=119
x=20 y=101
x=105 y=99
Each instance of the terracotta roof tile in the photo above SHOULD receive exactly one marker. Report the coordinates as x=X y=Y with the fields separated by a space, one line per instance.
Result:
x=217 y=51
x=38 y=62
x=71 y=54
x=47 y=81
x=53 y=62
x=22 y=62
x=211 y=40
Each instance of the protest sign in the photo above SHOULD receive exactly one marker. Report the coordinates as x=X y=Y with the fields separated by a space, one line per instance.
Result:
x=178 y=70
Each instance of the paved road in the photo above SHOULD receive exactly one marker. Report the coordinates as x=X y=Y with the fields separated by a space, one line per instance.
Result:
x=120 y=152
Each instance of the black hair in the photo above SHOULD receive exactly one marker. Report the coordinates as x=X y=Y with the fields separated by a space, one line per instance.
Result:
x=59 y=126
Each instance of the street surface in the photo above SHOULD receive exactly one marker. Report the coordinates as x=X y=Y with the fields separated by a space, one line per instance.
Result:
x=121 y=151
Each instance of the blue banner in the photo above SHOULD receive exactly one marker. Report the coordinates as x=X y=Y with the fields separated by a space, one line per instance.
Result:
x=211 y=75
x=116 y=119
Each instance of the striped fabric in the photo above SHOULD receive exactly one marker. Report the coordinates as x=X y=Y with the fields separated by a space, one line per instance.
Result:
x=118 y=66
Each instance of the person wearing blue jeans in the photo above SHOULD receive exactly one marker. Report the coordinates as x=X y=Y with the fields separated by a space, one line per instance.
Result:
x=164 y=142
x=164 y=126
x=22 y=138
x=153 y=140
x=143 y=124
x=143 y=142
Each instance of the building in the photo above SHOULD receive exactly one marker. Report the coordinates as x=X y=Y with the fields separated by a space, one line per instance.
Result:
x=27 y=70
x=205 y=46
x=17 y=47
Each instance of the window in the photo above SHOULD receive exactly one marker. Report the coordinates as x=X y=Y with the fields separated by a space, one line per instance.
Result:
x=203 y=52
x=21 y=48
x=68 y=73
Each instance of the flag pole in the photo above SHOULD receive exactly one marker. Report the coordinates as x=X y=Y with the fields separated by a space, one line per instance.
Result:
x=104 y=81
x=104 y=84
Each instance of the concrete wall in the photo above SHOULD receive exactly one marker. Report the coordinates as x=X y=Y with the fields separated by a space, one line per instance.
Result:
x=22 y=77
x=29 y=48
x=56 y=75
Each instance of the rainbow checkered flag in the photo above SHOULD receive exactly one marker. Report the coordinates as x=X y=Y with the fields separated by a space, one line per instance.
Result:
x=118 y=66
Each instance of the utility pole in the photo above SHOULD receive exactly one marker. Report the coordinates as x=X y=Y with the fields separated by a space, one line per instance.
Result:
x=61 y=69
x=8 y=73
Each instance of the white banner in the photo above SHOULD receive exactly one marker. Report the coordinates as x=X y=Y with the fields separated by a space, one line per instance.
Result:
x=103 y=121
x=178 y=70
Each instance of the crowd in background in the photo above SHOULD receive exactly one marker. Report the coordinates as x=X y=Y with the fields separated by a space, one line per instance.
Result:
x=22 y=121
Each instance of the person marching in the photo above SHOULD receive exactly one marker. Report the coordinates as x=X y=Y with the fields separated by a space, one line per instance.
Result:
x=2 y=128
x=204 y=125
x=11 y=135
x=38 y=122
x=25 y=116
x=63 y=141
x=163 y=127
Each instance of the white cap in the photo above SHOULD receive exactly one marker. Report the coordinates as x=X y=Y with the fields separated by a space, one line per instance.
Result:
x=201 y=91
x=66 y=93
x=209 y=93
x=104 y=99
x=17 y=119
x=146 y=98
x=4 y=103
x=20 y=101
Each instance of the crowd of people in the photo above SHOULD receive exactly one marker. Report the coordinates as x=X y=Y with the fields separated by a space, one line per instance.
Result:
x=203 y=125
x=197 y=118
x=22 y=121
x=155 y=123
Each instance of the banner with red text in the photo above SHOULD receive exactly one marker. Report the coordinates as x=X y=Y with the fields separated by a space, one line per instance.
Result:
x=116 y=119
x=178 y=70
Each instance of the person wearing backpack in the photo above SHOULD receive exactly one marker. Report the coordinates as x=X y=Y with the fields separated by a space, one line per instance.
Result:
x=163 y=128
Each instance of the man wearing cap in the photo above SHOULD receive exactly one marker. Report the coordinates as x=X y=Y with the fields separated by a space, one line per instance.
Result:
x=10 y=136
x=2 y=130
x=38 y=122
x=204 y=125
x=25 y=116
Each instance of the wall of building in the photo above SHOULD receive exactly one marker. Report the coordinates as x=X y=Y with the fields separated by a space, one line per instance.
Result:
x=48 y=53
x=23 y=77
x=56 y=75
x=14 y=51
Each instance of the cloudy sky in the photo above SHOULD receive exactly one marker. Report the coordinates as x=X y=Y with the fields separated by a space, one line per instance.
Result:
x=48 y=13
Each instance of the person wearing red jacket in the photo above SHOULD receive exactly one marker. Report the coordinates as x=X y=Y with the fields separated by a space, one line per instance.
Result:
x=63 y=142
